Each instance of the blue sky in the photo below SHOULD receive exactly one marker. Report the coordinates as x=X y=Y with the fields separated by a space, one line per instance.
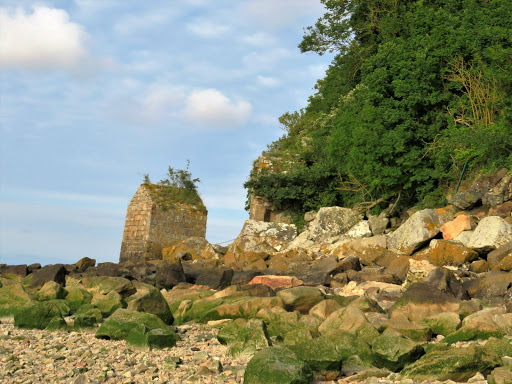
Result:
x=95 y=93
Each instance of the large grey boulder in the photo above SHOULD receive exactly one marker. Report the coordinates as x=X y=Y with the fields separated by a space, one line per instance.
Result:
x=333 y=221
x=491 y=233
x=416 y=231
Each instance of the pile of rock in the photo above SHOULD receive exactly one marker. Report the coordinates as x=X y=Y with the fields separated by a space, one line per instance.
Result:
x=346 y=298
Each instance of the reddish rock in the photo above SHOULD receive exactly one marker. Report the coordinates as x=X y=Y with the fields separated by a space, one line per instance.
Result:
x=276 y=282
x=453 y=228
x=445 y=252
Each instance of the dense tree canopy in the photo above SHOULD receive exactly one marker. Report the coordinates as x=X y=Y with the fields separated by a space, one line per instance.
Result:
x=416 y=88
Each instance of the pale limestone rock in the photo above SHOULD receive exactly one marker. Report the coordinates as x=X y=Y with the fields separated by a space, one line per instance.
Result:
x=491 y=233
x=416 y=231
x=333 y=221
x=361 y=229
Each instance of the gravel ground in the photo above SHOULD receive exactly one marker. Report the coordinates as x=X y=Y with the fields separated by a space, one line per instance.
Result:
x=33 y=356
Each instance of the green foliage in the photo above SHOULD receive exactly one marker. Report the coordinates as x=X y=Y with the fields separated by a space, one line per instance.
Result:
x=415 y=90
x=178 y=186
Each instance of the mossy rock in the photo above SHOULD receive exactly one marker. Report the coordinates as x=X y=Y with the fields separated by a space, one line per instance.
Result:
x=107 y=284
x=351 y=320
x=277 y=365
x=394 y=352
x=457 y=364
x=51 y=290
x=205 y=310
x=414 y=331
x=37 y=316
x=57 y=324
x=151 y=300
x=475 y=331
x=63 y=306
x=87 y=318
x=140 y=329
x=499 y=346
x=14 y=298
x=443 y=323
x=78 y=297
x=108 y=303
x=297 y=336
x=251 y=338
x=175 y=297
x=501 y=375
x=228 y=333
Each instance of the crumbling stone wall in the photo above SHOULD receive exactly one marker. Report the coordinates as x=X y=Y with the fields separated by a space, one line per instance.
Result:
x=149 y=228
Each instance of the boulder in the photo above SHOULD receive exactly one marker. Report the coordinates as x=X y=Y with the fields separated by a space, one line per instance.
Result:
x=139 y=329
x=324 y=308
x=216 y=278
x=301 y=299
x=40 y=277
x=394 y=352
x=377 y=256
x=51 y=291
x=108 y=303
x=85 y=263
x=20 y=270
x=195 y=247
x=277 y=365
x=149 y=300
x=479 y=326
x=445 y=280
x=491 y=287
x=277 y=282
x=259 y=236
x=37 y=316
x=399 y=268
x=86 y=317
x=351 y=320
x=413 y=331
x=416 y=231
x=500 y=193
x=349 y=263
x=169 y=274
x=443 y=323
x=57 y=324
x=495 y=257
x=13 y=298
x=491 y=233
x=422 y=300
x=500 y=375
x=457 y=364
x=360 y=230
x=107 y=284
x=77 y=297
x=455 y=227
x=445 y=252
x=379 y=224
x=244 y=338
x=333 y=221
x=479 y=266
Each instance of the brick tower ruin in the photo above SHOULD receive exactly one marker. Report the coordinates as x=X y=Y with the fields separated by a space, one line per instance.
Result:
x=152 y=225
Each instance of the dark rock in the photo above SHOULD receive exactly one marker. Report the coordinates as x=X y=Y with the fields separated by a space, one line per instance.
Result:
x=375 y=274
x=192 y=270
x=495 y=257
x=444 y=280
x=217 y=278
x=169 y=274
x=33 y=267
x=20 y=270
x=243 y=277
x=479 y=266
x=349 y=263
x=399 y=267
x=492 y=287
x=53 y=272
x=85 y=263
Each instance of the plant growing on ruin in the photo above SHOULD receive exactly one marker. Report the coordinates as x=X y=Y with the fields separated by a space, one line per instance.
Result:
x=178 y=186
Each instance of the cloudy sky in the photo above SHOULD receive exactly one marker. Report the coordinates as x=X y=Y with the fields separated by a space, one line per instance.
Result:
x=95 y=93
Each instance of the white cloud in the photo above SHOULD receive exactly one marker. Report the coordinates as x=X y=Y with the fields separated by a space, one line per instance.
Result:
x=46 y=38
x=160 y=101
x=211 y=108
x=268 y=81
x=259 y=39
x=274 y=14
x=207 y=29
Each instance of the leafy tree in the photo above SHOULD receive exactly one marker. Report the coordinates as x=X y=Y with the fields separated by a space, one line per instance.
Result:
x=416 y=88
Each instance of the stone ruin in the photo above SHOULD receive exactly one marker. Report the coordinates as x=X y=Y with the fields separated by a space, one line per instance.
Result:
x=151 y=226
